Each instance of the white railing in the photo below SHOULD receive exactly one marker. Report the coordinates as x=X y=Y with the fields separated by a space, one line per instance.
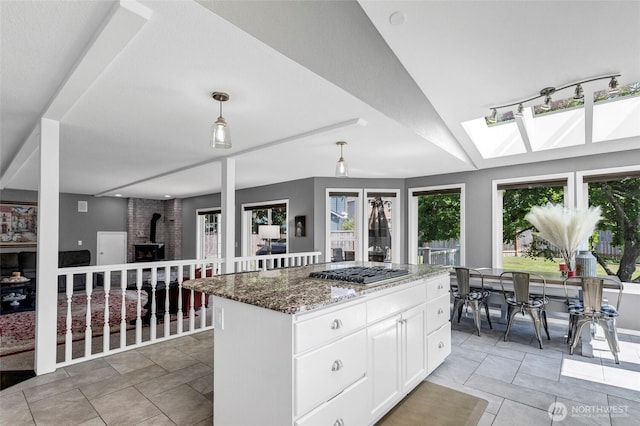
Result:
x=129 y=306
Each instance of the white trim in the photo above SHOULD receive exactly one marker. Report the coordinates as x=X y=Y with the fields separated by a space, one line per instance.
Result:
x=412 y=217
x=358 y=225
x=246 y=237
x=496 y=207
x=397 y=220
x=582 y=192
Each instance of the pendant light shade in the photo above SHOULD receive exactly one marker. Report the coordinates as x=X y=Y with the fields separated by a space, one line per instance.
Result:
x=220 y=132
x=342 y=170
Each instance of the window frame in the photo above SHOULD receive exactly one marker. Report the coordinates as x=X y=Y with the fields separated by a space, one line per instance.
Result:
x=358 y=255
x=412 y=218
x=397 y=221
x=245 y=222
x=497 y=206
x=199 y=228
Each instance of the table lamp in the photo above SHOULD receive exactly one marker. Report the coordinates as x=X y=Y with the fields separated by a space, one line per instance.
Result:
x=269 y=232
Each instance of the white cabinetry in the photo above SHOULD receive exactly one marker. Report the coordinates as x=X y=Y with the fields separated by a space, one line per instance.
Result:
x=346 y=364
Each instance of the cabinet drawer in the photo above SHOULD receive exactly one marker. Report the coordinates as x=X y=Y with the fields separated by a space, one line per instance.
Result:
x=438 y=347
x=316 y=331
x=351 y=406
x=395 y=302
x=438 y=286
x=321 y=374
x=438 y=312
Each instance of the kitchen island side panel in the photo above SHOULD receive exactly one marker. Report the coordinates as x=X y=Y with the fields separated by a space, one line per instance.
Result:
x=252 y=365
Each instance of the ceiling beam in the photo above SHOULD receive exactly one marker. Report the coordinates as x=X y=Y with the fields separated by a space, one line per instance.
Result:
x=119 y=28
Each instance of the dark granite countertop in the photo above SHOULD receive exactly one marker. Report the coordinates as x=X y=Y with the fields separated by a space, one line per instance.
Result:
x=290 y=290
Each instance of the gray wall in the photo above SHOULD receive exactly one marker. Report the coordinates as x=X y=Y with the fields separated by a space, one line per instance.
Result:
x=104 y=214
x=301 y=203
x=478 y=192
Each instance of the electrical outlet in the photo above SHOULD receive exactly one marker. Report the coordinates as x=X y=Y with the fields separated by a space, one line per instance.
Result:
x=219 y=319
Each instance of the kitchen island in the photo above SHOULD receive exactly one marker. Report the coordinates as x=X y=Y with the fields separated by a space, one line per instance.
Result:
x=290 y=349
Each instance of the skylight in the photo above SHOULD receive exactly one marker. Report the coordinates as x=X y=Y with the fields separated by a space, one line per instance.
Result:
x=615 y=116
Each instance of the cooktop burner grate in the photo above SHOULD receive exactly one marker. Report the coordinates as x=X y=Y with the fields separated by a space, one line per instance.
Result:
x=359 y=274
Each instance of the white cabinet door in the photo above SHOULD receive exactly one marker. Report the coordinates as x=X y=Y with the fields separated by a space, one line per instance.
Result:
x=414 y=348
x=384 y=364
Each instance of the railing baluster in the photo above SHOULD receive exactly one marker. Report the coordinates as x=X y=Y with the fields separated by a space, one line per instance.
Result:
x=106 y=329
x=68 y=341
x=123 y=310
x=167 y=301
x=154 y=283
x=138 y=304
x=88 y=335
x=179 y=314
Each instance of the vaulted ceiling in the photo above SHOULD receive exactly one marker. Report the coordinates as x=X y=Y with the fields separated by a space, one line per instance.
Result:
x=131 y=82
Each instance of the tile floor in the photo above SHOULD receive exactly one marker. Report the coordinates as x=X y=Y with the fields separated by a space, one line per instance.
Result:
x=171 y=382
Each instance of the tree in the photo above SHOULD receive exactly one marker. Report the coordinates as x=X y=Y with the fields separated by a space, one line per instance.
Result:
x=518 y=202
x=620 y=204
x=438 y=217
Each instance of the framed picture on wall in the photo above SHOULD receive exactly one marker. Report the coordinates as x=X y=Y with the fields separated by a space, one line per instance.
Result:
x=18 y=224
x=300 y=226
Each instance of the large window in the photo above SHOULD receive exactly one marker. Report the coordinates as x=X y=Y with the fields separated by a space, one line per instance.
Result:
x=344 y=226
x=514 y=242
x=436 y=230
x=268 y=213
x=209 y=236
x=616 y=243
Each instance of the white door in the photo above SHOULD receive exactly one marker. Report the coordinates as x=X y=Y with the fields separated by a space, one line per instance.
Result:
x=112 y=248
x=414 y=347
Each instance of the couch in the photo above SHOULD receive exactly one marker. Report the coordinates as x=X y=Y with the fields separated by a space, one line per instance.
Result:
x=25 y=262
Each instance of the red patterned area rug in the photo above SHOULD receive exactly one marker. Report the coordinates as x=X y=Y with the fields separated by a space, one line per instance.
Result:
x=17 y=330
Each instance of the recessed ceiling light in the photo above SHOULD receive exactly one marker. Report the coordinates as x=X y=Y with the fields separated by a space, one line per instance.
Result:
x=167 y=196
x=117 y=195
x=397 y=18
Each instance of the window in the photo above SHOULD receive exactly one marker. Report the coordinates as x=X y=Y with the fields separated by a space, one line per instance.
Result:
x=617 y=240
x=512 y=236
x=208 y=234
x=268 y=213
x=436 y=225
x=343 y=225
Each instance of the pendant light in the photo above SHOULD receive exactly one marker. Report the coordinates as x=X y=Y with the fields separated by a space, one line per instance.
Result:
x=342 y=170
x=220 y=132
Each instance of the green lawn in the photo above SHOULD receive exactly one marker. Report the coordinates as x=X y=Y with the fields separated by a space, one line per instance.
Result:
x=539 y=264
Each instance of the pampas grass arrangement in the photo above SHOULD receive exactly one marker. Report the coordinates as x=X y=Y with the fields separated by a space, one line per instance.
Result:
x=563 y=227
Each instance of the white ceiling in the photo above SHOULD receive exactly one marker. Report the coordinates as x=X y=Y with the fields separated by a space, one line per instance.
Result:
x=131 y=85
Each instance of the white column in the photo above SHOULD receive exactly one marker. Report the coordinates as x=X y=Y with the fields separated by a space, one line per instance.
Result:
x=47 y=267
x=228 y=214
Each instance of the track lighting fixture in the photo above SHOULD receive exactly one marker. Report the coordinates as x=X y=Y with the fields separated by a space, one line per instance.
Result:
x=548 y=91
x=220 y=132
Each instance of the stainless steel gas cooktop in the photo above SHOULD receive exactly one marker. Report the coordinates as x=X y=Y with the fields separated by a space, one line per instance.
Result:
x=359 y=274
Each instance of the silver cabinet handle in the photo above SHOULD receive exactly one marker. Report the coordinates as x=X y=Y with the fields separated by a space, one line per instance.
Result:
x=336 y=324
x=440 y=311
x=440 y=345
x=337 y=365
x=339 y=422
x=440 y=287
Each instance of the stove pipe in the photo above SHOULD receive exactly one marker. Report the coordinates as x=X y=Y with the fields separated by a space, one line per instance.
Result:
x=152 y=233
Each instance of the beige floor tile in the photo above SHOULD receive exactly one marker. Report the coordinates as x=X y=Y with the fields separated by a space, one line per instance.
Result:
x=183 y=405
x=159 y=420
x=531 y=397
x=174 y=379
x=128 y=361
x=171 y=359
x=492 y=349
x=68 y=408
x=44 y=391
x=88 y=366
x=202 y=385
x=513 y=412
x=497 y=367
x=15 y=410
x=115 y=383
x=125 y=407
x=457 y=368
x=96 y=421
x=36 y=381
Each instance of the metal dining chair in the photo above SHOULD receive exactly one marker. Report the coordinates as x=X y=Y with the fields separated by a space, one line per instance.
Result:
x=521 y=300
x=465 y=295
x=591 y=310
